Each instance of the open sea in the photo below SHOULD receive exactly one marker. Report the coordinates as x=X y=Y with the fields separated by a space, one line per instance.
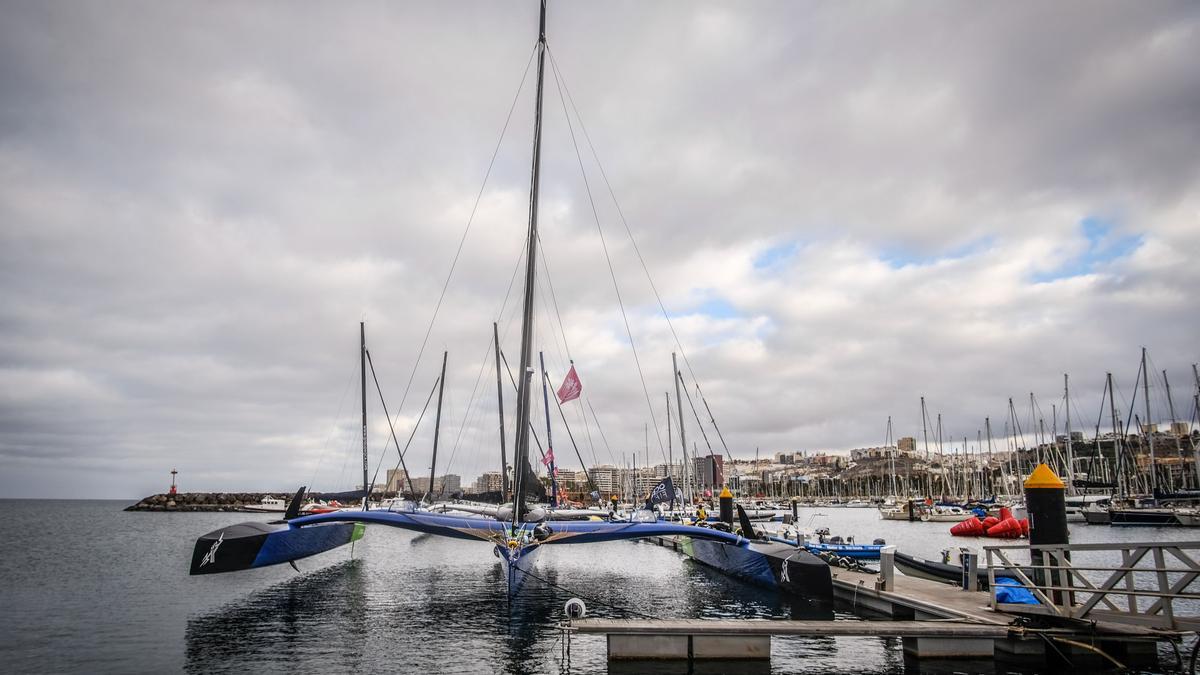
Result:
x=88 y=588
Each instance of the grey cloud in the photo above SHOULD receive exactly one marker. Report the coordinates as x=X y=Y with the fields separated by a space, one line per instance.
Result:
x=198 y=203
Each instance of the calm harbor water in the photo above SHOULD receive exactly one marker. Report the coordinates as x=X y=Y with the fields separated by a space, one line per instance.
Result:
x=89 y=588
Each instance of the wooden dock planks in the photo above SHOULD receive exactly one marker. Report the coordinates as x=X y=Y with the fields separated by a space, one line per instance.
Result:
x=788 y=627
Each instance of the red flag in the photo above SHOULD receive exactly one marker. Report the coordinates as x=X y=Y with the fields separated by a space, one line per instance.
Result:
x=549 y=458
x=571 y=387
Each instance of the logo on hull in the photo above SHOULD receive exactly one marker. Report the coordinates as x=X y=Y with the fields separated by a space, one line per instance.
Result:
x=211 y=556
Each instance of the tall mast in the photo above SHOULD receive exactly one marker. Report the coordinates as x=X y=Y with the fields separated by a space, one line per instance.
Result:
x=1196 y=410
x=928 y=463
x=362 y=366
x=1149 y=428
x=500 y=407
x=670 y=457
x=1070 y=456
x=941 y=456
x=549 y=442
x=1118 y=458
x=522 y=450
x=687 y=470
x=987 y=424
x=437 y=425
x=891 y=446
x=1174 y=421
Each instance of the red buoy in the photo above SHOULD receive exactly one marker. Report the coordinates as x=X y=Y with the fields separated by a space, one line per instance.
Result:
x=971 y=527
x=990 y=522
x=1024 y=527
x=1005 y=529
x=1005 y=513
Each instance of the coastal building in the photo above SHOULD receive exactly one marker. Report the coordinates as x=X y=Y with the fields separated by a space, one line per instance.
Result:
x=444 y=486
x=608 y=479
x=710 y=471
x=489 y=481
x=396 y=481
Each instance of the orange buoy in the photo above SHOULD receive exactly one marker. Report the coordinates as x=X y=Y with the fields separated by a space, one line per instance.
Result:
x=1005 y=529
x=971 y=527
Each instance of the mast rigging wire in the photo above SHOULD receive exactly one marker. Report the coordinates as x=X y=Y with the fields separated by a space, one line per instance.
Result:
x=466 y=230
x=412 y=434
x=612 y=458
x=392 y=428
x=608 y=259
x=333 y=432
x=629 y=231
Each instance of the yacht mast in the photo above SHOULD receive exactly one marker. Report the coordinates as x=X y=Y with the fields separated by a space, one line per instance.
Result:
x=437 y=425
x=362 y=366
x=500 y=407
x=1070 y=456
x=687 y=469
x=1149 y=428
x=526 y=370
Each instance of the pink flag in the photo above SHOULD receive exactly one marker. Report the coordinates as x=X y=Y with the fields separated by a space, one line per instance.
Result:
x=549 y=458
x=571 y=387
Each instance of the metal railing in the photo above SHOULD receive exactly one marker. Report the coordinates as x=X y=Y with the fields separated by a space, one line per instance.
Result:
x=1153 y=585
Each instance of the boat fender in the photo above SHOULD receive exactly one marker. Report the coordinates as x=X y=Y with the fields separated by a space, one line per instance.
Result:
x=542 y=532
x=575 y=609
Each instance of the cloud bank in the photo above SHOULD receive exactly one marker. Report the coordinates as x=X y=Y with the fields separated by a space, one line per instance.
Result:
x=843 y=208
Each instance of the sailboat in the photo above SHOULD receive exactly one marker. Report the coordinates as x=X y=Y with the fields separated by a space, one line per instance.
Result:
x=518 y=532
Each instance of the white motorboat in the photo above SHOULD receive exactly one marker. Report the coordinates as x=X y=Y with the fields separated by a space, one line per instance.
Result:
x=1077 y=505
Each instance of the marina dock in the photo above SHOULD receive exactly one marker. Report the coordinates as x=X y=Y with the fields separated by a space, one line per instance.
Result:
x=935 y=620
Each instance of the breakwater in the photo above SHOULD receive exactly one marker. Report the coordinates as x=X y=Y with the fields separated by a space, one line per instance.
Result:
x=205 y=501
x=216 y=501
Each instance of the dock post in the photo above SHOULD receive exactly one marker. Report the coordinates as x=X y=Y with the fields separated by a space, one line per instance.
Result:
x=1045 y=500
x=887 y=569
x=970 y=570
x=726 y=502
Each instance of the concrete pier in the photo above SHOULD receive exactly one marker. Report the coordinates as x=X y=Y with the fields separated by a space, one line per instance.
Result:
x=935 y=621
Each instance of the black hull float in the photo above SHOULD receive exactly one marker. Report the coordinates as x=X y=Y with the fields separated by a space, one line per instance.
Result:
x=774 y=566
x=249 y=545
x=946 y=573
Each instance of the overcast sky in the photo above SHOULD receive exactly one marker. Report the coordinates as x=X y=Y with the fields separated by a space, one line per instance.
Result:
x=844 y=207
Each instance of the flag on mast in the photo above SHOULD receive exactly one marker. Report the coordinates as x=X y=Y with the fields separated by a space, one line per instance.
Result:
x=571 y=387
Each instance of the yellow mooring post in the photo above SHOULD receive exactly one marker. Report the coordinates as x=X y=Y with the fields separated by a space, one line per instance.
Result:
x=1045 y=500
x=726 y=501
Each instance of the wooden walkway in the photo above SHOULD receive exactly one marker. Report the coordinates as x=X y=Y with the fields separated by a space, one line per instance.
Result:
x=785 y=627
x=935 y=620
x=922 y=597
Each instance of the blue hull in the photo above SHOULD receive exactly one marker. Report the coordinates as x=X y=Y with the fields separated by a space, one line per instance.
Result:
x=516 y=572
x=743 y=563
x=255 y=544
x=779 y=567
x=855 y=551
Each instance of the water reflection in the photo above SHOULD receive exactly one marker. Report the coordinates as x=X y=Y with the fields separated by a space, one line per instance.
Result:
x=285 y=622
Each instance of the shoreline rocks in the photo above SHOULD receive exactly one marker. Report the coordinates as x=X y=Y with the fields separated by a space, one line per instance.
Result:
x=203 y=501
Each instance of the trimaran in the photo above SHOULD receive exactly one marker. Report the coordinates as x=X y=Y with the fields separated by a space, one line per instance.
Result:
x=518 y=531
